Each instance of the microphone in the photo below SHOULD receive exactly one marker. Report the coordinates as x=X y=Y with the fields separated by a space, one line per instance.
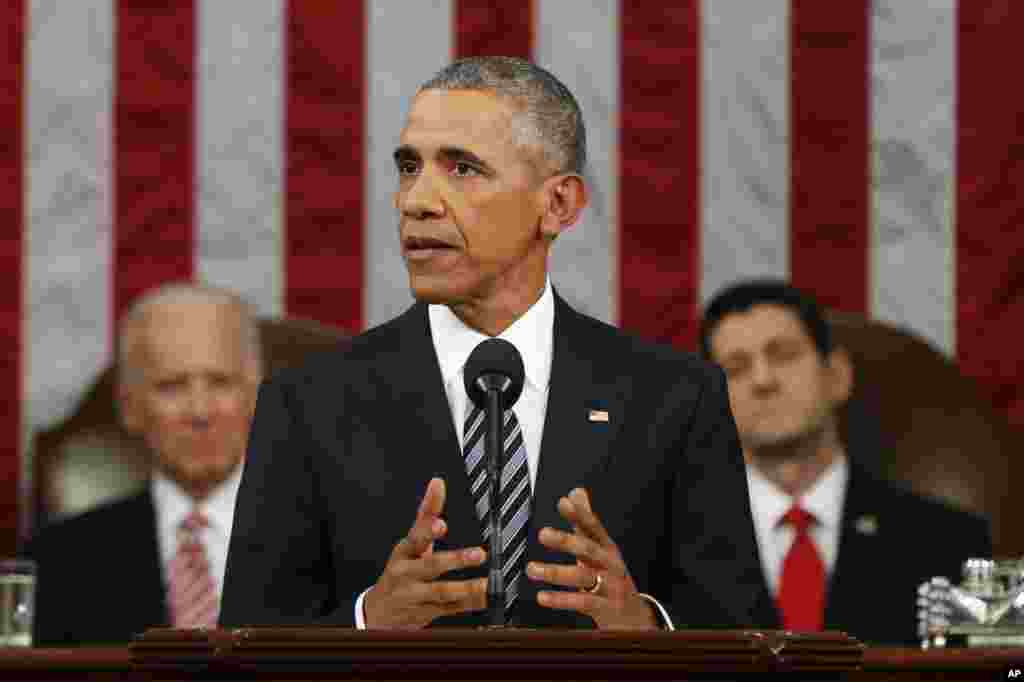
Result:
x=493 y=378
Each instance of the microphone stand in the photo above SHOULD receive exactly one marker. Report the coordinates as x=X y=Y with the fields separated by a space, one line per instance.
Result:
x=493 y=452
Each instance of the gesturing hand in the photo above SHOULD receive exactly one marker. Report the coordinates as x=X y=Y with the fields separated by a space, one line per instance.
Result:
x=408 y=593
x=605 y=590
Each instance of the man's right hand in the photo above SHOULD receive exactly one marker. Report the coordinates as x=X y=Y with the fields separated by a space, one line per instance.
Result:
x=408 y=594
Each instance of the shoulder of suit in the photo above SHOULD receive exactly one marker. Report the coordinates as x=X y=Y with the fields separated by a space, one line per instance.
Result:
x=365 y=349
x=916 y=507
x=95 y=525
x=663 y=358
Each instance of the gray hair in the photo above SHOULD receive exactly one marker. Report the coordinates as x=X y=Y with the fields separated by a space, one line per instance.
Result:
x=183 y=292
x=549 y=119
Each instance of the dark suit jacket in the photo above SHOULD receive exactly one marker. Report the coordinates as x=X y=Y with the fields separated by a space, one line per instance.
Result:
x=342 y=449
x=99 y=578
x=872 y=591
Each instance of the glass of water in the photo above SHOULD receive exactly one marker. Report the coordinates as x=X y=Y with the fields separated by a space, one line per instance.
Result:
x=17 y=601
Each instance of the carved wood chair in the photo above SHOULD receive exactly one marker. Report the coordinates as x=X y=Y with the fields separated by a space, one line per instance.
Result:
x=914 y=418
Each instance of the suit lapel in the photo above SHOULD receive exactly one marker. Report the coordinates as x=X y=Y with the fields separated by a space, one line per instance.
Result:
x=431 y=434
x=857 y=540
x=573 y=447
x=148 y=570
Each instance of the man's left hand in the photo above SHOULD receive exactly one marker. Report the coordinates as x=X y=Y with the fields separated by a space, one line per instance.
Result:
x=605 y=589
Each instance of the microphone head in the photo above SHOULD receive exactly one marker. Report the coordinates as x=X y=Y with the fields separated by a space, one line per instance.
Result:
x=494 y=358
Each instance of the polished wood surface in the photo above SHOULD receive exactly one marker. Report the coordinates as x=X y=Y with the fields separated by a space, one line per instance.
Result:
x=329 y=654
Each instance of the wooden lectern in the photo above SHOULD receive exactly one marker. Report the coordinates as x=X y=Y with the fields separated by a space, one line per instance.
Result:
x=345 y=654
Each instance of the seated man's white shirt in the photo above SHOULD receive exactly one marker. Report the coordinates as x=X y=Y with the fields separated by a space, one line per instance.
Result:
x=173 y=505
x=533 y=336
x=769 y=503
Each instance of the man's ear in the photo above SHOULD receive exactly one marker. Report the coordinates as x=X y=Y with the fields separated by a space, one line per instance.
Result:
x=565 y=197
x=840 y=369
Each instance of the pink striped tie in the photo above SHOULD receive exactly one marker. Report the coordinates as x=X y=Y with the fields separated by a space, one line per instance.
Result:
x=192 y=595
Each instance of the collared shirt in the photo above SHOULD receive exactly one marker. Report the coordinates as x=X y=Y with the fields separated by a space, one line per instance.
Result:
x=532 y=336
x=173 y=505
x=768 y=504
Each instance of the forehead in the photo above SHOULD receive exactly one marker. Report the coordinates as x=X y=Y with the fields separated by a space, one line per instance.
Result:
x=191 y=336
x=465 y=118
x=752 y=329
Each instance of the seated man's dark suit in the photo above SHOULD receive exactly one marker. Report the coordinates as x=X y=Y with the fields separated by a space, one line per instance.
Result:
x=892 y=540
x=99 y=578
x=341 y=452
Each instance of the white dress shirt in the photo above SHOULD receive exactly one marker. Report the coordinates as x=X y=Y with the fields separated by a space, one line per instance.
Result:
x=173 y=505
x=533 y=336
x=768 y=504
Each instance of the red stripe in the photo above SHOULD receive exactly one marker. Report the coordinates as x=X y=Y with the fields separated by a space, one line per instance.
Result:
x=485 y=27
x=990 y=205
x=659 y=249
x=325 y=120
x=154 y=114
x=829 y=150
x=12 y=25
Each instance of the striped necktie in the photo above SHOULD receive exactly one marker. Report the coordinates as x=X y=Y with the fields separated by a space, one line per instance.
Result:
x=192 y=595
x=514 y=494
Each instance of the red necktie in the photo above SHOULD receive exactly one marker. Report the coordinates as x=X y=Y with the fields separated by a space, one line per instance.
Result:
x=802 y=586
x=192 y=595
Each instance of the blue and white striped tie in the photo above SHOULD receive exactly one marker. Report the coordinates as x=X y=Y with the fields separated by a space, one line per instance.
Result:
x=514 y=493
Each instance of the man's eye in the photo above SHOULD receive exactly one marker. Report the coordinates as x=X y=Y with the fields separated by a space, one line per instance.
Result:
x=407 y=167
x=169 y=385
x=463 y=169
x=734 y=371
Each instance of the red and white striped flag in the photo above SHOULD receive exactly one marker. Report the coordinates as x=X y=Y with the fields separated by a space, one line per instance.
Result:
x=870 y=151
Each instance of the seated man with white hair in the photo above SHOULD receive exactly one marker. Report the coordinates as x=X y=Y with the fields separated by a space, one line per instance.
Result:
x=189 y=364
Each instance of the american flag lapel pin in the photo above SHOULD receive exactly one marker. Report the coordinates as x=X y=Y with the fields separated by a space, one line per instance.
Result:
x=867 y=524
x=597 y=415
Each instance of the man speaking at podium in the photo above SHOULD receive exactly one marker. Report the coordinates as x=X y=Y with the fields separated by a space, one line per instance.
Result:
x=624 y=497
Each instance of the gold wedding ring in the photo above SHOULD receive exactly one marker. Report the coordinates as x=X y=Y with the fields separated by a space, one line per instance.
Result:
x=597 y=584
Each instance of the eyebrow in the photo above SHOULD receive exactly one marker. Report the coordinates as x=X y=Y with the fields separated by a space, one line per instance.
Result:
x=408 y=153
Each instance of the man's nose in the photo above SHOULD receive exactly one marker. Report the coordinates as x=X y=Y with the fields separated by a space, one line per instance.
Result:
x=200 y=404
x=422 y=200
x=763 y=375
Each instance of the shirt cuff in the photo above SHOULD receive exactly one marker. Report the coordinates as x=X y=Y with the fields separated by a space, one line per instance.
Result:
x=666 y=622
x=361 y=617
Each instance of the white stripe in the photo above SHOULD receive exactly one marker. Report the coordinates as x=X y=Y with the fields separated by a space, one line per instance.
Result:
x=745 y=128
x=913 y=99
x=516 y=461
x=239 y=155
x=513 y=558
x=406 y=42
x=578 y=41
x=515 y=524
x=68 y=88
x=513 y=495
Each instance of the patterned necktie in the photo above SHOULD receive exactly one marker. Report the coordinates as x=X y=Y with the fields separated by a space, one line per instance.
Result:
x=802 y=586
x=514 y=494
x=192 y=595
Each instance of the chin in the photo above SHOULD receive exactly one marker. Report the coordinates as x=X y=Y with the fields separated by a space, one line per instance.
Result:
x=434 y=292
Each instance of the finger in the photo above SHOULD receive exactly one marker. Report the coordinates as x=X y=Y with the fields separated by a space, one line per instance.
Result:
x=581 y=547
x=432 y=503
x=420 y=538
x=582 y=602
x=453 y=596
x=438 y=563
x=578 y=576
x=576 y=509
x=428 y=526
